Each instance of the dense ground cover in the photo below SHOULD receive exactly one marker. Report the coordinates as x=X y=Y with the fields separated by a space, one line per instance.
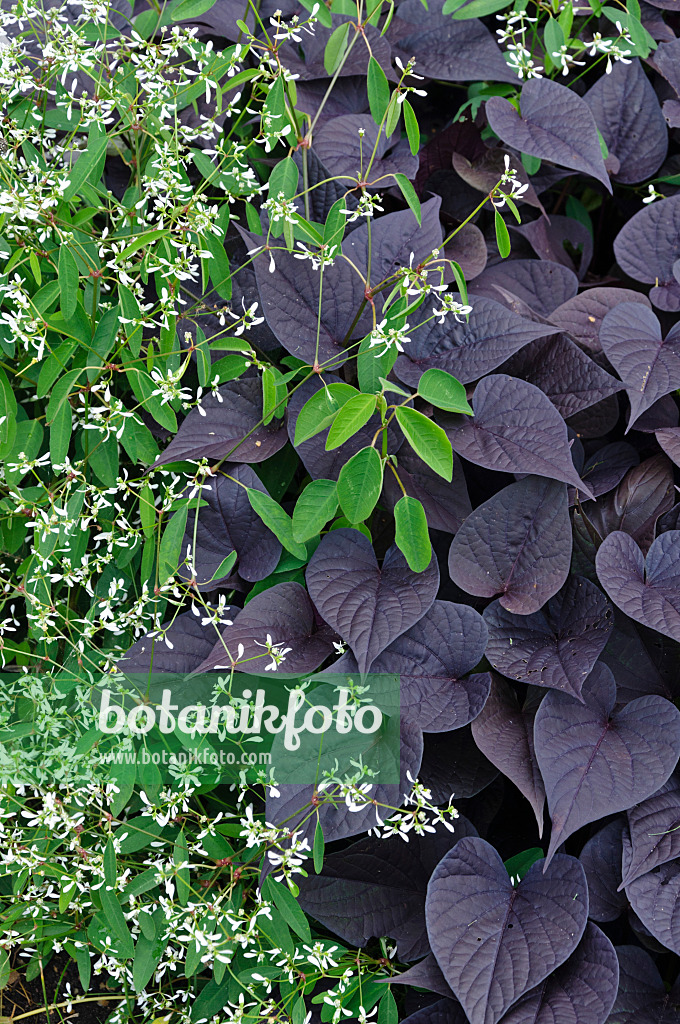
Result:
x=344 y=338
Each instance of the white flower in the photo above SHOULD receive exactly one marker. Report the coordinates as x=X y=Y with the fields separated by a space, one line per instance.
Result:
x=276 y=652
x=388 y=337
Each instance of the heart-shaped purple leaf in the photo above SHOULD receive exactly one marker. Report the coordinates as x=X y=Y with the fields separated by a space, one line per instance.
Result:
x=493 y=941
x=368 y=605
x=179 y=646
x=654 y=829
x=345 y=144
x=548 y=238
x=444 y=1011
x=601 y=858
x=555 y=125
x=582 y=315
x=446 y=504
x=642 y=997
x=647 y=248
x=541 y=284
x=517 y=544
x=648 y=590
x=392 y=240
x=281 y=617
x=648 y=364
x=504 y=731
x=669 y=439
x=453 y=765
x=607 y=466
x=644 y=494
x=597 y=761
x=581 y=991
x=655 y=898
x=515 y=429
x=426 y=974
x=557 y=646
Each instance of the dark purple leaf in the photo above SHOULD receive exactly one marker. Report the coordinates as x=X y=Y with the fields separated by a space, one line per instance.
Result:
x=556 y=647
x=665 y=58
x=367 y=605
x=504 y=731
x=582 y=315
x=189 y=644
x=290 y=302
x=393 y=239
x=555 y=125
x=648 y=246
x=494 y=942
x=601 y=859
x=595 y=761
x=660 y=416
x=649 y=367
x=217 y=427
x=642 y=997
x=517 y=544
x=648 y=591
x=483 y=172
x=446 y=504
x=628 y=114
x=629 y=659
x=426 y=974
x=645 y=493
x=324 y=190
x=349 y=96
x=377 y=888
x=541 y=284
x=346 y=153
x=671 y=113
x=228 y=524
x=597 y=420
x=293 y=806
x=608 y=465
x=454 y=766
x=453 y=51
x=515 y=429
x=433 y=659
x=313 y=46
x=669 y=439
x=444 y=1011
x=570 y=379
x=654 y=827
x=581 y=991
x=468 y=249
x=548 y=240
x=655 y=898
x=283 y=612
x=468 y=350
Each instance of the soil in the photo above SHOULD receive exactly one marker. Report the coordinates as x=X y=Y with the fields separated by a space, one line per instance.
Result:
x=25 y=1000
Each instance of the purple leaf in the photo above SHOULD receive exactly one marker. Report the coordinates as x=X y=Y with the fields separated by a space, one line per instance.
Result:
x=377 y=888
x=669 y=439
x=426 y=974
x=484 y=171
x=494 y=942
x=345 y=152
x=648 y=246
x=645 y=493
x=468 y=249
x=655 y=898
x=631 y=663
x=660 y=416
x=665 y=58
x=468 y=350
x=601 y=859
x=444 y=1011
x=228 y=524
x=597 y=420
x=191 y=643
x=547 y=239
x=582 y=315
x=515 y=429
x=642 y=997
x=607 y=466
x=648 y=591
x=541 y=284
x=654 y=827
x=518 y=544
x=284 y=613
x=504 y=731
x=433 y=659
x=628 y=114
x=393 y=239
x=595 y=761
x=349 y=96
x=367 y=605
x=217 y=428
x=581 y=991
x=452 y=51
x=290 y=302
x=648 y=365
x=570 y=379
x=313 y=47
x=556 y=647
x=453 y=765
x=555 y=125
x=446 y=504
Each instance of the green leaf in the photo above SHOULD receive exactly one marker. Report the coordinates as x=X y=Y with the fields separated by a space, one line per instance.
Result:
x=4 y=968
x=288 y=907
x=553 y=37
x=278 y=521
x=334 y=228
x=60 y=394
x=351 y=418
x=143 y=387
x=518 y=866
x=131 y=311
x=274 y=394
x=387 y=1009
x=60 y=435
x=218 y=265
x=360 y=483
x=442 y=390
x=180 y=854
x=378 y=91
x=81 y=955
x=146 y=238
x=68 y=282
x=320 y=410
x=224 y=568
x=188 y=9
x=460 y=281
x=462 y=9
x=318 y=847
x=148 y=953
x=412 y=129
x=409 y=194
x=502 y=235
x=428 y=440
x=111 y=906
x=8 y=414
x=315 y=506
x=90 y=164
x=335 y=48
x=170 y=550
x=393 y=114
x=284 y=179
x=411 y=533
x=531 y=164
